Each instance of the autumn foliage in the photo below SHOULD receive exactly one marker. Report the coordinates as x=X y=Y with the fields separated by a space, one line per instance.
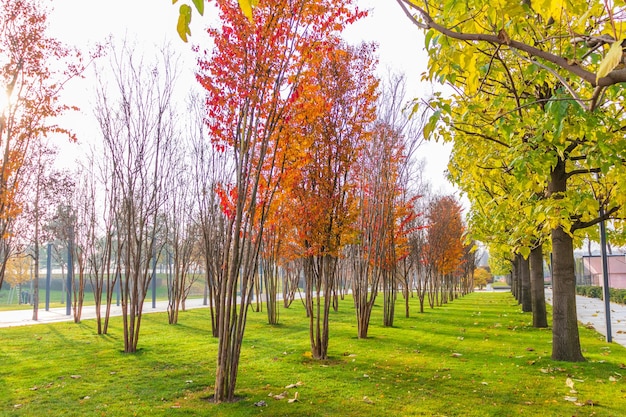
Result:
x=29 y=100
x=253 y=78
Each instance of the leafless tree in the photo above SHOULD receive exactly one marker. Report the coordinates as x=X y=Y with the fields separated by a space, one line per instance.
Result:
x=136 y=121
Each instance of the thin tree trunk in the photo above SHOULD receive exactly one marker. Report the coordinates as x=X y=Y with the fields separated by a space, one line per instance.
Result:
x=526 y=301
x=538 y=296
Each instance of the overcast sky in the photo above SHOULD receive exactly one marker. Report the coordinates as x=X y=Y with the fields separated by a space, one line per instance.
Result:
x=84 y=23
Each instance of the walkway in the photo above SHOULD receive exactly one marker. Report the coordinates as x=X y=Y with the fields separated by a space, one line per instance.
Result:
x=590 y=312
x=25 y=317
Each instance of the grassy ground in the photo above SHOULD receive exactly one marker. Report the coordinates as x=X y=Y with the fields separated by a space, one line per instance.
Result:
x=477 y=356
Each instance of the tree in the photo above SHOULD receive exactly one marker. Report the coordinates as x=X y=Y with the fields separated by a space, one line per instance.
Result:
x=444 y=246
x=29 y=101
x=337 y=110
x=250 y=79
x=482 y=277
x=137 y=125
x=574 y=112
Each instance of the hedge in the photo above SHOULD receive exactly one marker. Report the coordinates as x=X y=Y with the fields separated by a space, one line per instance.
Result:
x=617 y=295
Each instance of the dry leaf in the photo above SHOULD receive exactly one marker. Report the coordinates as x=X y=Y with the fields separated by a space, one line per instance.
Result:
x=260 y=404
x=502 y=35
x=367 y=400
x=75 y=376
x=568 y=398
x=297 y=384
x=569 y=383
x=457 y=355
x=280 y=396
x=294 y=399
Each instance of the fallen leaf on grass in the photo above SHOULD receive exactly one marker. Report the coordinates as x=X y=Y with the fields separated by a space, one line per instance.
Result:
x=34 y=388
x=529 y=349
x=366 y=400
x=280 y=396
x=294 y=399
x=260 y=404
x=456 y=355
x=297 y=384
x=571 y=399
x=570 y=384
x=75 y=376
x=17 y=406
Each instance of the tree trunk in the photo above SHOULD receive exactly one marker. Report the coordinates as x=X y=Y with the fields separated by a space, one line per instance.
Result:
x=538 y=297
x=565 y=338
x=527 y=305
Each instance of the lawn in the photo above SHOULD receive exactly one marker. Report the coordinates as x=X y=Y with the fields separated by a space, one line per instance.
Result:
x=477 y=356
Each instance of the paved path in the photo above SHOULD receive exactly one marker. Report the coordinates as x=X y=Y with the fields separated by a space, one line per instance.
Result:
x=590 y=312
x=25 y=317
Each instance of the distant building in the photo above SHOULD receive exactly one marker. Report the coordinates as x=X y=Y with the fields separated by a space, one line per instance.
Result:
x=590 y=271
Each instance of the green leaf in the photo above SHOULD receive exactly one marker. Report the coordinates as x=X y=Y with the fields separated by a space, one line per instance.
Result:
x=199 y=6
x=184 y=18
x=432 y=123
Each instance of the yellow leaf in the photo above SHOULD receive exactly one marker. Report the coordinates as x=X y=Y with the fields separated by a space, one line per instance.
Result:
x=184 y=18
x=246 y=8
x=611 y=60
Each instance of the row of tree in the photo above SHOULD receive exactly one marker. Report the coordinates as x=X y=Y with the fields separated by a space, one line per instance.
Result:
x=294 y=168
x=536 y=122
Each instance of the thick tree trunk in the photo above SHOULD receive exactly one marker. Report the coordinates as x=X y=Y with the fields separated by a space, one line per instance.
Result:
x=538 y=296
x=526 y=301
x=565 y=337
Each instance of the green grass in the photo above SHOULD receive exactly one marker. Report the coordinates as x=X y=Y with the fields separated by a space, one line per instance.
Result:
x=477 y=356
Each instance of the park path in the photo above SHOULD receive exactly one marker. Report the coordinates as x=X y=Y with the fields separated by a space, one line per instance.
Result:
x=13 y=318
x=590 y=313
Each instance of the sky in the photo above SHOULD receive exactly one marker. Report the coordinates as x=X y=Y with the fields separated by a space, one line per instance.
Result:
x=84 y=23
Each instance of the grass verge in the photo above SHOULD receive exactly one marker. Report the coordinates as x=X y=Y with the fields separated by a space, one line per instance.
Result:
x=477 y=356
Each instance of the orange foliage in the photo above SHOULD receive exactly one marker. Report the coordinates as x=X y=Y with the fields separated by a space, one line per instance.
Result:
x=444 y=246
x=335 y=110
x=32 y=87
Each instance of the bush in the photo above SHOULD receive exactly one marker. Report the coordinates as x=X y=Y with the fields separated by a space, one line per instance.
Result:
x=616 y=295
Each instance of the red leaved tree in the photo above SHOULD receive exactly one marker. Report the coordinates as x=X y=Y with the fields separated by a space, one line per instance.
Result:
x=250 y=78
x=338 y=108
x=444 y=248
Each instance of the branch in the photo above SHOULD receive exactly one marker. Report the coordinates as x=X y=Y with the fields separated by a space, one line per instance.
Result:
x=583 y=225
x=558 y=76
x=614 y=77
x=489 y=138
x=582 y=171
